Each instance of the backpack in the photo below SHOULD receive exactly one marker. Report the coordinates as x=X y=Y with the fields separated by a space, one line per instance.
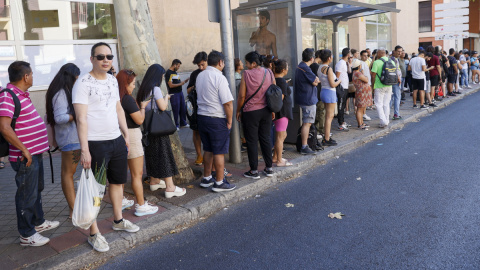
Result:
x=192 y=109
x=274 y=97
x=312 y=141
x=389 y=73
x=4 y=145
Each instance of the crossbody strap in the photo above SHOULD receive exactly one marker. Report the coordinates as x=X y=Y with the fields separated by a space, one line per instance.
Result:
x=18 y=106
x=147 y=128
x=250 y=97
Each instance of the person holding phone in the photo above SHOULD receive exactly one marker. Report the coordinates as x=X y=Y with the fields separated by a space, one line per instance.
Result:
x=160 y=162
x=174 y=86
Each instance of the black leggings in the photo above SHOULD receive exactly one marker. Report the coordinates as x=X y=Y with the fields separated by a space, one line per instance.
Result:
x=341 y=104
x=256 y=128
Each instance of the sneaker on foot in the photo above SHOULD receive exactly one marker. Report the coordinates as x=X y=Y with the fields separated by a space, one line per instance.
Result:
x=252 y=175
x=343 y=127
x=329 y=142
x=423 y=107
x=145 y=209
x=397 y=117
x=35 y=240
x=415 y=106
x=268 y=172
x=199 y=161
x=366 y=117
x=347 y=112
x=207 y=183
x=225 y=186
x=307 y=151
x=186 y=126
x=127 y=203
x=98 y=242
x=432 y=105
x=47 y=225
x=125 y=225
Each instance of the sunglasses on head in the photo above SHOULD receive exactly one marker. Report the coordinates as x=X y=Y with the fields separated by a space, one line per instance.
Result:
x=100 y=57
x=130 y=72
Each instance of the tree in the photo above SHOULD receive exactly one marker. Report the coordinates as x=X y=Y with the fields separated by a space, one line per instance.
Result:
x=139 y=50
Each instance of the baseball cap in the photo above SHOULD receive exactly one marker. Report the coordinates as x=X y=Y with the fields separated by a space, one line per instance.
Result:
x=420 y=49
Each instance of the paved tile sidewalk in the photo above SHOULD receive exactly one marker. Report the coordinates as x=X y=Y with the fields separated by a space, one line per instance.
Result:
x=65 y=237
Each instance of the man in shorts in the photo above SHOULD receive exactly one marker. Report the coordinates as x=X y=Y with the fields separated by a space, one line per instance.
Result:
x=452 y=72
x=418 y=66
x=215 y=114
x=306 y=96
x=100 y=118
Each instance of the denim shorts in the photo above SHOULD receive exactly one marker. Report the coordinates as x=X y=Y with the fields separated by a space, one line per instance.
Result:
x=328 y=96
x=214 y=134
x=70 y=147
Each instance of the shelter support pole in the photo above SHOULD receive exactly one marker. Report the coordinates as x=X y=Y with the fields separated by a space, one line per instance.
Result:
x=235 y=155
x=335 y=41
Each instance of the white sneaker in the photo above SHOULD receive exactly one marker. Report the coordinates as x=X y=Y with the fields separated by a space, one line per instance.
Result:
x=366 y=117
x=127 y=203
x=468 y=86
x=159 y=185
x=319 y=137
x=125 y=225
x=186 y=126
x=145 y=209
x=47 y=225
x=98 y=242
x=35 y=240
x=347 y=112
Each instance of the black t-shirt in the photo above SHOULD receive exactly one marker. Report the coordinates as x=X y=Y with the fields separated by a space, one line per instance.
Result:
x=193 y=78
x=453 y=61
x=129 y=105
x=286 y=110
x=172 y=76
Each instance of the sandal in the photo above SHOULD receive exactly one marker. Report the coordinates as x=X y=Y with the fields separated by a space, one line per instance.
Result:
x=177 y=193
x=2 y=164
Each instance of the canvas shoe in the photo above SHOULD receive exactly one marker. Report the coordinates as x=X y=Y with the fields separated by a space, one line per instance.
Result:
x=125 y=225
x=98 y=242
x=205 y=183
x=47 y=225
x=225 y=186
x=145 y=209
x=126 y=203
x=35 y=240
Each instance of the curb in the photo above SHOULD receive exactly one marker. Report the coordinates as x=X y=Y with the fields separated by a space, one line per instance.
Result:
x=177 y=217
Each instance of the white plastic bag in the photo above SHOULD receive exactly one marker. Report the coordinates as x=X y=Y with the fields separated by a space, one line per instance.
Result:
x=87 y=202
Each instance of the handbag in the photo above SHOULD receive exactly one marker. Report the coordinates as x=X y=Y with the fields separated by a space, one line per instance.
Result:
x=250 y=97
x=274 y=97
x=157 y=123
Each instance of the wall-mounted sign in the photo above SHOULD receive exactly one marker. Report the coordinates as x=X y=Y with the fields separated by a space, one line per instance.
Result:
x=44 y=18
x=452 y=36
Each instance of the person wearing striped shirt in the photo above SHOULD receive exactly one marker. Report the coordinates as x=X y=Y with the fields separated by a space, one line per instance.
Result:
x=27 y=144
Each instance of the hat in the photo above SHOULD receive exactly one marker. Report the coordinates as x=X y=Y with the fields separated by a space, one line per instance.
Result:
x=420 y=49
x=356 y=63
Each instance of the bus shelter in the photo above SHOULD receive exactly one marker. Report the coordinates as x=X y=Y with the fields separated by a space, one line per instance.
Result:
x=274 y=28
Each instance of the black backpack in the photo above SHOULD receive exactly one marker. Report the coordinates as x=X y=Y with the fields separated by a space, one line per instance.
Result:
x=389 y=73
x=312 y=141
x=192 y=109
x=274 y=97
x=4 y=145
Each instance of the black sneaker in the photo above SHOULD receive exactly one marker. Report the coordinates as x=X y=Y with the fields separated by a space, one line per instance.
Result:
x=225 y=186
x=243 y=149
x=458 y=93
x=268 y=172
x=249 y=174
x=329 y=142
x=415 y=106
x=207 y=183
x=307 y=151
x=432 y=105
x=423 y=107
x=451 y=94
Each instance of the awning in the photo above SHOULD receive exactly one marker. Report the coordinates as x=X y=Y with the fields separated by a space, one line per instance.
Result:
x=336 y=10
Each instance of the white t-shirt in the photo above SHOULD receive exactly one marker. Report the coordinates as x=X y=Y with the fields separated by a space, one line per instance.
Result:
x=366 y=72
x=157 y=92
x=343 y=69
x=417 y=71
x=101 y=96
x=463 y=58
x=212 y=92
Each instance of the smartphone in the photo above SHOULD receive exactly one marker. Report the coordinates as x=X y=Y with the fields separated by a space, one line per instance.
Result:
x=147 y=99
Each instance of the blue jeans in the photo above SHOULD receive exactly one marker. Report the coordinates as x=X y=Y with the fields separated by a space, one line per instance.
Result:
x=397 y=96
x=179 y=109
x=464 y=77
x=28 y=199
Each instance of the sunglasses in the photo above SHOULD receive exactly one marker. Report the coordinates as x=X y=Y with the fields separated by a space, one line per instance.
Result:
x=130 y=72
x=100 y=57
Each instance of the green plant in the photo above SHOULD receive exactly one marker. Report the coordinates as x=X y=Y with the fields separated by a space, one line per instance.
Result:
x=101 y=174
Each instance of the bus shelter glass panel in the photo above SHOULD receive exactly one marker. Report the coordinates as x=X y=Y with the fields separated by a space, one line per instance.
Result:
x=7 y=56
x=268 y=30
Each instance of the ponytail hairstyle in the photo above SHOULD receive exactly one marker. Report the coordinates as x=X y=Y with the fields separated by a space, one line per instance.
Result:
x=254 y=57
x=279 y=66
x=326 y=53
x=64 y=80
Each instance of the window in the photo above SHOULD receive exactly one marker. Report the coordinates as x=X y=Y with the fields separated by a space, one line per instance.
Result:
x=425 y=16
x=379 y=31
x=6 y=32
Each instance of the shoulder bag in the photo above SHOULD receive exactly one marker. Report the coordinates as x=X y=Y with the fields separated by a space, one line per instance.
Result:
x=157 y=123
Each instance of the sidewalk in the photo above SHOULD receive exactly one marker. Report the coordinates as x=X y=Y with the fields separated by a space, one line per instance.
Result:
x=68 y=247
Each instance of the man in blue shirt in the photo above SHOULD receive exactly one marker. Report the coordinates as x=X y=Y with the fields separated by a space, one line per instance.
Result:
x=306 y=96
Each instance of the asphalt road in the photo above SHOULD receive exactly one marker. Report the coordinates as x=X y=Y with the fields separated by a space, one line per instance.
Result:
x=410 y=199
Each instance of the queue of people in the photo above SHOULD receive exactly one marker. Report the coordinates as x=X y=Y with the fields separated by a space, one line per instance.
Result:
x=97 y=120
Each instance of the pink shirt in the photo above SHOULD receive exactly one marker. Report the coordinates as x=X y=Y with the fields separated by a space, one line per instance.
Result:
x=253 y=78
x=30 y=128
